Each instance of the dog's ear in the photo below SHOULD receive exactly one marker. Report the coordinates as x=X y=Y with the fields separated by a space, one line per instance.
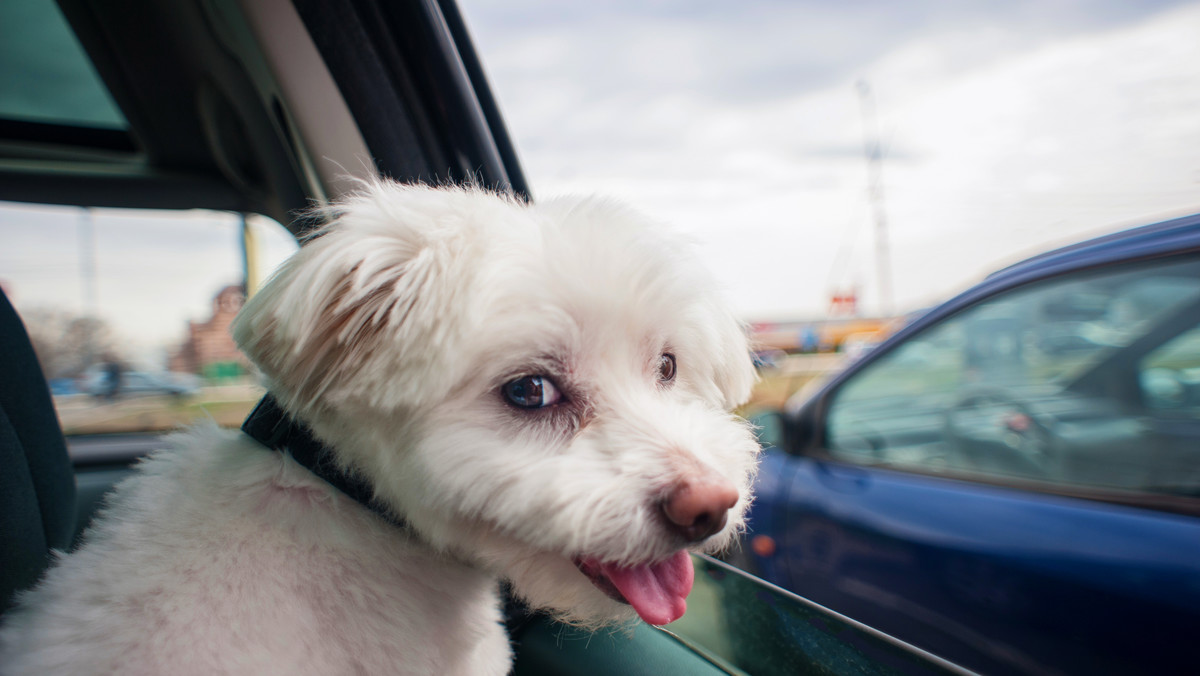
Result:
x=353 y=314
x=732 y=368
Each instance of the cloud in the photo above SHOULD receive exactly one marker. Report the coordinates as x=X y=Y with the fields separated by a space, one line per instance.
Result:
x=1008 y=127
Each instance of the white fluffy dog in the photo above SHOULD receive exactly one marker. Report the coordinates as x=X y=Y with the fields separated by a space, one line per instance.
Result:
x=533 y=393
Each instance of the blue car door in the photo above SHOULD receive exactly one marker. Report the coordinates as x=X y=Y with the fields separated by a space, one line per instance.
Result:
x=1014 y=487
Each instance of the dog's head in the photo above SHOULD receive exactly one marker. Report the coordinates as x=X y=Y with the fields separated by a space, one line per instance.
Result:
x=539 y=389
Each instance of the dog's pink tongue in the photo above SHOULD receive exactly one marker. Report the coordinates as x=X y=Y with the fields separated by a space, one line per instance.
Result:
x=659 y=592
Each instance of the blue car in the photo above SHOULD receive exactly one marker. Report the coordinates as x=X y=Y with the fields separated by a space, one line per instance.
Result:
x=1012 y=482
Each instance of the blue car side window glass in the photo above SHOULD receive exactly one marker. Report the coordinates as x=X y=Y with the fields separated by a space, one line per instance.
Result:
x=1070 y=381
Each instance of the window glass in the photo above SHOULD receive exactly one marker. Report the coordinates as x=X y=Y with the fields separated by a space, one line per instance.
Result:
x=1067 y=380
x=129 y=310
x=45 y=75
x=736 y=620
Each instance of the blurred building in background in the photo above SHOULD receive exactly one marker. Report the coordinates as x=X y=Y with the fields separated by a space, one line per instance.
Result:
x=209 y=349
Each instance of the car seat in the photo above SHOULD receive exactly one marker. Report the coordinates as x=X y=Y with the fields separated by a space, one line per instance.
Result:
x=37 y=485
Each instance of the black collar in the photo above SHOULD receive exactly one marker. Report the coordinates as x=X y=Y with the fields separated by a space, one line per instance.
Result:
x=271 y=426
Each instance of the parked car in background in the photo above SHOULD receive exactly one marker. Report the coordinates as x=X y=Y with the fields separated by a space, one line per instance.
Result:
x=99 y=383
x=1013 y=480
x=768 y=359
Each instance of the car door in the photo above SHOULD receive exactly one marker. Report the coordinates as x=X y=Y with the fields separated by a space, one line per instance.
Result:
x=1014 y=485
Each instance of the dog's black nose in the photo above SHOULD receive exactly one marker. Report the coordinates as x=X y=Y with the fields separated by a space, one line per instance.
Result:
x=697 y=509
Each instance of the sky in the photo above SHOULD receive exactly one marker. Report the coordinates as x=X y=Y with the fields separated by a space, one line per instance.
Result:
x=1005 y=128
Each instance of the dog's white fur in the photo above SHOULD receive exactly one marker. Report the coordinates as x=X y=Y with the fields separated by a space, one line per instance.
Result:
x=391 y=334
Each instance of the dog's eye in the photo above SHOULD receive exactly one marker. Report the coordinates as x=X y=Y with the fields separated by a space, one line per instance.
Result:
x=532 y=392
x=666 y=367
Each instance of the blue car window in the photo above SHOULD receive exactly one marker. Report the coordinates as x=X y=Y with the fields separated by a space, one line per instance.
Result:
x=1090 y=379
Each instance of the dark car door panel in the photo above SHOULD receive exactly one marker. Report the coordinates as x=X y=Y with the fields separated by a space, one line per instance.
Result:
x=927 y=557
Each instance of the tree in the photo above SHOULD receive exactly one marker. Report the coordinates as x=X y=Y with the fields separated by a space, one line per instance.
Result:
x=66 y=343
